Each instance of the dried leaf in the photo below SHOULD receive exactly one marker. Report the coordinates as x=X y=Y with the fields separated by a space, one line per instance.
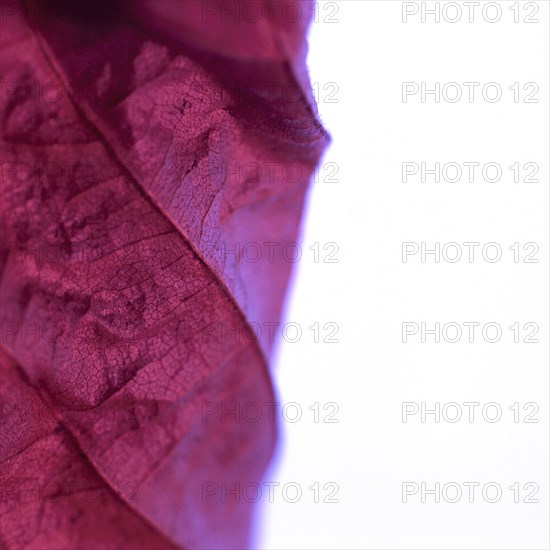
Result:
x=125 y=205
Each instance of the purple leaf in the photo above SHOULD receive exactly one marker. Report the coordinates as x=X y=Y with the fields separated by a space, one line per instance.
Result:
x=132 y=137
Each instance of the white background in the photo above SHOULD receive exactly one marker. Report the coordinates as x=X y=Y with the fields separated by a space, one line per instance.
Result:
x=370 y=292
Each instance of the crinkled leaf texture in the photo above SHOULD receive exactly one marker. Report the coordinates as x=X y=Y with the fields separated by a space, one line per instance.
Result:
x=123 y=127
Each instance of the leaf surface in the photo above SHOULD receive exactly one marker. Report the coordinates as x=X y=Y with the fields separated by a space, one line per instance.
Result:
x=125 y=210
